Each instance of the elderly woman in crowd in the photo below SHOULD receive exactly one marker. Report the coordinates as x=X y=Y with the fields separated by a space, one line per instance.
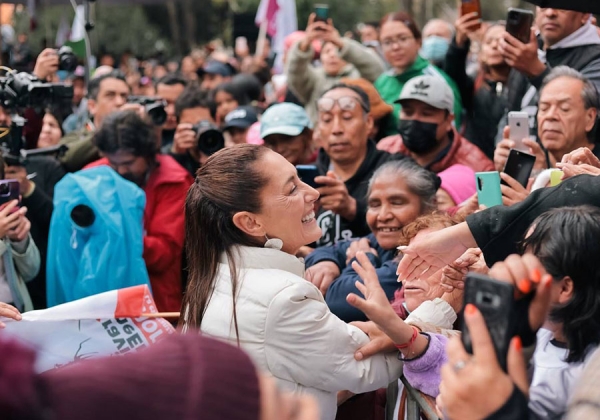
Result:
x=399 y=192
x=247 y=215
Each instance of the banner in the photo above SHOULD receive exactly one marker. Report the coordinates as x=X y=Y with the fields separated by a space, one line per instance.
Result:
x=102 y=325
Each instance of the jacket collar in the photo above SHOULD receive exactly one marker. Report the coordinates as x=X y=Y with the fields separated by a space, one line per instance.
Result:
x=265 y=258
x=416 y=69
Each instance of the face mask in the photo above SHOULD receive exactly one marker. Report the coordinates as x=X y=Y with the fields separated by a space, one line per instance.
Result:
x=435 y=48
x=418 y=137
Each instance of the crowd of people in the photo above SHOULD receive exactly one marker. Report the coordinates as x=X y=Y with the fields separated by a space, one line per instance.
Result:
x=342 y=284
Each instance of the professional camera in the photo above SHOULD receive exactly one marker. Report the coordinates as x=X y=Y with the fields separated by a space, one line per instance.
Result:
x=154 y=106
x=67 y=60
x=23 y=90
x=209 y=137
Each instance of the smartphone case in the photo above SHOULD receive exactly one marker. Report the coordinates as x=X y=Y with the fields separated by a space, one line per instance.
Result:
x=519 y=166
x=9 y=190
x=495 y=301
x=488 y=188
x=308 y=173
x=518 y=24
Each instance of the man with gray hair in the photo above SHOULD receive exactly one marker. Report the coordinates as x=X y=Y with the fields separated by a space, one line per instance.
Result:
x=437 y=35
x=567 y=114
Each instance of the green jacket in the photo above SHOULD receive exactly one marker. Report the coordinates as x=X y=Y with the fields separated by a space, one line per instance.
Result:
x=81 y=150
x=21 y=264
x=390 y=85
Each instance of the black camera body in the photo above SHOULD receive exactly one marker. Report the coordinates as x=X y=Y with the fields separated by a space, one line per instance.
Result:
x=23 y=90
x=210 y=139
x=67 y=60
x=154 y=106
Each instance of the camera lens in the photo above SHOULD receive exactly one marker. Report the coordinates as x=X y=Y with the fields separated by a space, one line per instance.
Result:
x=4 y=190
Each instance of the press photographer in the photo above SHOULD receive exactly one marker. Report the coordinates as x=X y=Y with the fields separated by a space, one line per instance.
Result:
x=196 y=137
x=106 y=94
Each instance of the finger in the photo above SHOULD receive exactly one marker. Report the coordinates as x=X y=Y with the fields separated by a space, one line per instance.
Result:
x=370 y=349
x=407 y=266
x=358 y=302
x=325 y=180
x=361 y=288
x=505 y=135
x=365 y=327
x=519 y=273
x=456 y=351
x=439 y=406
x=516 y=366
x=483 y=348
x=9 y=207
x=540 y=305
x=366 y=265
x=9 y=311
x=512 y=183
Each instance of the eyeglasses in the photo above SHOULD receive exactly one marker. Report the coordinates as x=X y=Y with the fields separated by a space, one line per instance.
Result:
x=346 y=103
x=401 y=41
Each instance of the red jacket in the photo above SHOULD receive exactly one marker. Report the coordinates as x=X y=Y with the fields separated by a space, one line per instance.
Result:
x=461 y=152
x=164 y=230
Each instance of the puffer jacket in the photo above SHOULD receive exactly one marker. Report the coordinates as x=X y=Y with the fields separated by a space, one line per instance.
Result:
x=308 y=82
x=461 y=152
x=287 y=329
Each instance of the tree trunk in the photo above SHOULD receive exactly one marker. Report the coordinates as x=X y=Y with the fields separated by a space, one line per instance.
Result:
x=174 y=24
x=407 y=6
x=190 y=23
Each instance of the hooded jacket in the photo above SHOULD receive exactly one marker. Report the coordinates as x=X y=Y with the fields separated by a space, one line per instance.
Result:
x=164 y=221
x=334 y=227
x=580 y=51
x=308 y=83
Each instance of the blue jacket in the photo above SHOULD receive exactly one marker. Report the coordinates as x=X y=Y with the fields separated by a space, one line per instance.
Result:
x=344 y=284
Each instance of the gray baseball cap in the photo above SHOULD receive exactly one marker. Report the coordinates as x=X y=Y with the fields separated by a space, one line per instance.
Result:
x=432 y=90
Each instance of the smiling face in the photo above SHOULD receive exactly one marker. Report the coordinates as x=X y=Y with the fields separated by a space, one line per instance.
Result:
x=420 y=290
x=563 y=121
x=287 y=204
x=391 y=206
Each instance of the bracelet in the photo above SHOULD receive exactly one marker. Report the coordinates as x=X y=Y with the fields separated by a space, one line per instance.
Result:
x=411 y=341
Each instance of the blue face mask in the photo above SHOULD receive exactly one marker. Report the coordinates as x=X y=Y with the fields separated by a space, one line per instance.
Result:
x=435 y=48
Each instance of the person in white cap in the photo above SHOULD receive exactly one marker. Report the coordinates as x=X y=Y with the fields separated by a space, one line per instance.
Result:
x=426 y=128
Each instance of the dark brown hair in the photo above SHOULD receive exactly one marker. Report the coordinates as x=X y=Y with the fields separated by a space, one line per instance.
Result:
x=228 y=183
x=404 y=18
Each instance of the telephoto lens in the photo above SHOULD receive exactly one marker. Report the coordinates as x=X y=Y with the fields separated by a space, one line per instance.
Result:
x=209 y=137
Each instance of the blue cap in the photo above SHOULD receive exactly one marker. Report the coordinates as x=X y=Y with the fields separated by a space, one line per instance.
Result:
x=216 y=67
x=284 y=118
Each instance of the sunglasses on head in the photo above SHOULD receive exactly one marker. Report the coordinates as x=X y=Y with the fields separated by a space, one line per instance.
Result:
x=346 y=103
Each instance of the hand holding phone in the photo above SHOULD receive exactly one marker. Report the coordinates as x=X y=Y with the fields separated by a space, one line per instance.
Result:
x=321 y=13
x=518 y=123
x=518 y=24
x=471 y=6
x=519 y=166
x=489 y=192
x=495 y=301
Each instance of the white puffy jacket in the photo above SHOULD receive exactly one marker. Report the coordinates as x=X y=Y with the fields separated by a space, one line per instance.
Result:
x=287 y=329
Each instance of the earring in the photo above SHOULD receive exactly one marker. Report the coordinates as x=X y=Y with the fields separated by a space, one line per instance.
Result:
x=274 y=243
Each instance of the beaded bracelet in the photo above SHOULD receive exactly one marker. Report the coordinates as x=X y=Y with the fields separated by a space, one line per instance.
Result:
x=411 y=341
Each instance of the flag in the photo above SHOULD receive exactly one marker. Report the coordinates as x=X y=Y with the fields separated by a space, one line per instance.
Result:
x=107 y=324
x=32 y=15
x=77 y=38
x=281 y=19
x=62 y=35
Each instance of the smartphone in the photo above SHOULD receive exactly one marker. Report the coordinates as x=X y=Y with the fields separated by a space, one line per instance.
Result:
x=518 y=122
x=518 y=24
x=9 y=191
x=321 y=12
x=519 y=166
x=556 y=177
x=495 y=300
x=470 y=6
x=308 y=173
x=488 y=188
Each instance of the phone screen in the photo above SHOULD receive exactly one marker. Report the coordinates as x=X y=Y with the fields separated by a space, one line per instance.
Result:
x=321 y=12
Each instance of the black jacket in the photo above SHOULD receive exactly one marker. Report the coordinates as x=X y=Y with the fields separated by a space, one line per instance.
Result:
x=39 y=212
x=499 y=230
x=334 y=227
x=484 y=107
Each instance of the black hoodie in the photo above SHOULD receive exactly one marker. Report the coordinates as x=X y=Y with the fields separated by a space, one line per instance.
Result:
x=334 y=227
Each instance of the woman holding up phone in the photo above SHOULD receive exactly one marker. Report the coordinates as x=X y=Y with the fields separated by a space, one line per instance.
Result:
x=19 y=254
x=484 y=97
x=340 y=57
